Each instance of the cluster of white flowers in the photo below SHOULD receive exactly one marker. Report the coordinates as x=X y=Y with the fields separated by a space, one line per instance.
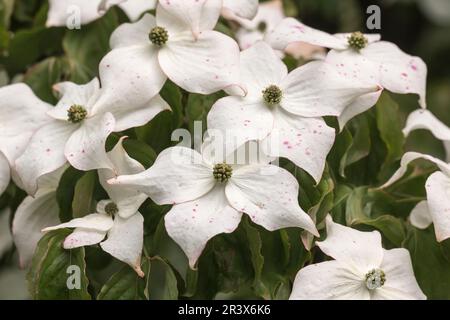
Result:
x=281 y=112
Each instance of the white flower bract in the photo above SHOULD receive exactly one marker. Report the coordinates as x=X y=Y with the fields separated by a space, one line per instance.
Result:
x=361 y=269
x=204 y=207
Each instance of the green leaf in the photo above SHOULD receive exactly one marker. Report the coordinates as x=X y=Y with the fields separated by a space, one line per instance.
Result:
x=162 y=283
x=431 y=268
x=49 y=275
x=125 y=285
x=157 y=133
x=6 y=10
x=66 y=191
x=25 y=10
x=391 y=227
x=360 y=143
x=4 y=41
x=42 y=76
x=85 y=47
x=197 y=109
x=366 y=207
x=255 y=246
x=390 y=127
x=27 y=46
x=140 y=151
x=276 y=258
x=355 y=206
x=83 y=202
x=325 y=203
x=171 y=93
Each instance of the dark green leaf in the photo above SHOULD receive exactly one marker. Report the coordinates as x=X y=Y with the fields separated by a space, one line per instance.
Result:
x=49 y=274
x=83 y=202
x=85 y=47
x=431 y=268
x=390 y=127
x=125 y=285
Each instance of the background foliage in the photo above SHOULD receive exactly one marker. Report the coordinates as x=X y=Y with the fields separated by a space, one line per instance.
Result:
x=251 y=262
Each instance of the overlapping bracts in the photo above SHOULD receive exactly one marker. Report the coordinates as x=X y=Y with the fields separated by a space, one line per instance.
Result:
x=280 y=112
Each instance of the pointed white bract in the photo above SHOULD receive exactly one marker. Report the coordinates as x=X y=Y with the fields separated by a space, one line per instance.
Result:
x=383 y=62
x=179 y=44
x=424 y=119
x=269 y=15
x=243 y=9
x=75 y=130
x=34 y=214
x=437 y=206
x=420 y=216
x=361 y=269
x=270 y=113
x=117 y=219
x=209 y=196
x=63 y=13
x=21 y=115
x=288 y=123
x=127 y=200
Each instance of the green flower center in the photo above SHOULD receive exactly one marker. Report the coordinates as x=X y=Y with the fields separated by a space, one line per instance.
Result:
x=357 y=41
x=111 y=208
x=375 y=279
x=272 y=95
x=158 y=36
x=222 y=172
x=76 y=113
x=262 y=26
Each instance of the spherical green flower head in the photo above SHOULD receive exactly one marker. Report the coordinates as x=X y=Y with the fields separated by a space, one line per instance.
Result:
x=222 y=172
x=111 y=208
x=272 y=95
x=76 y=113
x=158 y=36
x=357 y=41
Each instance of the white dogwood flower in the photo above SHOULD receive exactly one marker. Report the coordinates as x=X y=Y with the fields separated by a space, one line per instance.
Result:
x=283 y=110
x=359 y=56
x=117 y=219
x=269 y=15
x=210 y=193
x=361 y=269
x=77 y=130
x=179 y=43
x=436 y=208
x=64 y=12
x=424 y=119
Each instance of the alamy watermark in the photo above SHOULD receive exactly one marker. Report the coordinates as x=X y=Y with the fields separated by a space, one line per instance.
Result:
x=74 y=279
x=374 y=20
